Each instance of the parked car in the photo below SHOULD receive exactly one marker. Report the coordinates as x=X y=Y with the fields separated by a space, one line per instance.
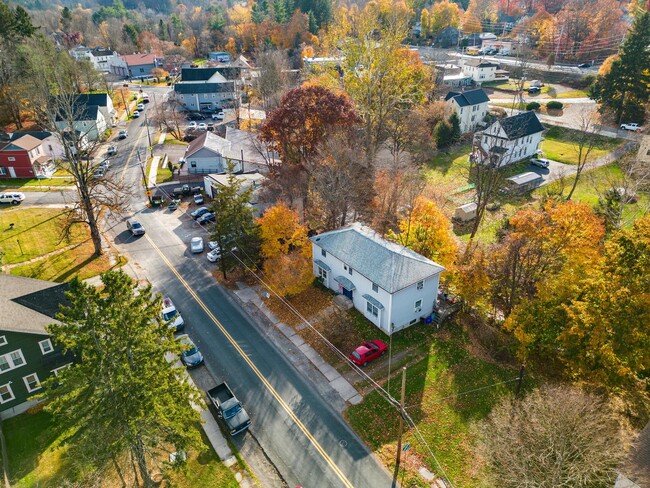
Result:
x=533 y=90
x=171 y=315
x=540 y=162
x=12 y=197
x=136 y=115
x=199 y=211
x=218 y=116
x=367 y=352
x=145 y=98
x=134 y=227
x=584 y=65
x=211 y=126
x=191 y=357
x=99 y=172
x=123 y=134
x=195 y=116
x=205 y=218
x=633 y=126
x=202 y=126
x=212 y=245
x=192 y=125
x=196 y=245
x=112 y=150
x=214 y=255
x=198 y=199
x=141 y=107
x=105 y=164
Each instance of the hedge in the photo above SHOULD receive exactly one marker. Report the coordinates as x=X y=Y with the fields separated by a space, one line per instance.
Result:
x=554 y=105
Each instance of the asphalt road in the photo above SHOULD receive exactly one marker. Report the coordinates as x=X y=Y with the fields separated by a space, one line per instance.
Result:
x=306 y=440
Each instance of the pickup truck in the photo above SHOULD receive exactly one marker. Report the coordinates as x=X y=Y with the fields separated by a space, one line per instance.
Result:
x=229 y=409
x=632 y=126
x=171 y=315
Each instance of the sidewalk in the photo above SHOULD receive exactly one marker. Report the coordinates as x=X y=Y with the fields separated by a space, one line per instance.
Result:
x=328 y=374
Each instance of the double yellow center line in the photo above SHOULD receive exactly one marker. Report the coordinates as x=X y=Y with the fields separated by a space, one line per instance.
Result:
x=259 y=374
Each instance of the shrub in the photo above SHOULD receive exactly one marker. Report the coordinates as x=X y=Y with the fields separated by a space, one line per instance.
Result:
x=533 y=106
x=554 y=105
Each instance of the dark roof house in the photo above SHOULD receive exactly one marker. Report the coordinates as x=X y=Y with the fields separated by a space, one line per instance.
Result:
x=469 y=97
x=521 y=125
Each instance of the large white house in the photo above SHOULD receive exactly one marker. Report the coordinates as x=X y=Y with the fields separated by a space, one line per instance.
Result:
x=390 y=285
x=481 y=71
x=208 y=88
x=509 y=140
x=100 y=58
x=471 y=107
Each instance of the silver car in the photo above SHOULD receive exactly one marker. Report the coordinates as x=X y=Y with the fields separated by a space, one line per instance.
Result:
x=191 y=356
x=196 y=245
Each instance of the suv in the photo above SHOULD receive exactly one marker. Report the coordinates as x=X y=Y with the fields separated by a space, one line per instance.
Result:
x=534 y=90
x=12 y=197
x=134 y=227
x=218 y=116
x=540 y=162
x=171 y=315
x=123 y=134
x=112 y=150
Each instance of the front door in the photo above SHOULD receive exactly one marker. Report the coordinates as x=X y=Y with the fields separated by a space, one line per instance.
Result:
x=12 y=172
x=347 y=293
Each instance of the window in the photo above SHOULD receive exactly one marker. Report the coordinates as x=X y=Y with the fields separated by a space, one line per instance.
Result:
x=10 y=158
x=11 y=361
x=418 y=304
x=3 y=340
x=322 y=273
x=3 y=171
x=375 y=287
x=370 y=308
x=420 y=285
x=61 y=368
x=350 y=270
x=46 y=346
x=31 y=382
x=323 y=253
x=6 y=395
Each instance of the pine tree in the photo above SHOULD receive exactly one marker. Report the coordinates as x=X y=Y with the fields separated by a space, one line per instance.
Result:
x=161 y=30
x=259 y=11
x=66 y=19
x=279 y=11
x=113 y=396
x=625 y=90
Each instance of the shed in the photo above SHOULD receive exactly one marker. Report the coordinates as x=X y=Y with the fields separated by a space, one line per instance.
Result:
x=523 y=182
x=466 y=212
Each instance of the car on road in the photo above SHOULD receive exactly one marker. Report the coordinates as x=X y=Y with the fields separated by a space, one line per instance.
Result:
x=211 y=126
x=205 y=218
x=198 y=199
x=12 y=197
x=195 y=116
x=191 y=357
x=134 y=227
x=145 y=98
x=540 y=162
x=123 y=134
x=192 y=125
x=199 y=211
x=633 y=126
x=99 y=172
x=140 y=107
x=584 y=65
x=196 y=245
x=136 y=115
x=367 y=352
x=105 y=164
x=202 y=126
x=533 y=90
x=214 y=255
x=112 y=150
x=171 y=315
x=218 y=116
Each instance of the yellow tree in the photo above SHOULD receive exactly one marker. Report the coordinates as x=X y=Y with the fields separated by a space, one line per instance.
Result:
x=427 y=231
x=444 y=14
x=479 y=11
x=286 y=249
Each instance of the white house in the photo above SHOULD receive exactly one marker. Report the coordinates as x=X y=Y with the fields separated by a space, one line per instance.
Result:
x=479 y=70
x=510 y=140
x=215 y=182
x=50 y=143
x=210 y=153
x=89 y=123
x=390 y=285
x=100 y=58
x=471 y=107
x=208 y=88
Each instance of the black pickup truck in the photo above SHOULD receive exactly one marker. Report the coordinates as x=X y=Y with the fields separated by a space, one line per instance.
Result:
x=229 y=409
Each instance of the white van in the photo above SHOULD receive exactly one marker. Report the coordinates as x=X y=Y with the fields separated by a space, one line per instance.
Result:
x=14 y=197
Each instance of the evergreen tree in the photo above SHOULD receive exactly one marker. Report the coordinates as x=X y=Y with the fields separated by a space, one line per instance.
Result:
x=235 y=225
x=313 y=25
x=66 y=19
x=259 y=11
x=279 y=11
x=625 y=89
x=161 y=30
x=454 y=133
x=289 y=7
x=115 y=394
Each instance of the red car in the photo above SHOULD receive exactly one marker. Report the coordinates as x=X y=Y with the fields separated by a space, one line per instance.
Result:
x=368 y=351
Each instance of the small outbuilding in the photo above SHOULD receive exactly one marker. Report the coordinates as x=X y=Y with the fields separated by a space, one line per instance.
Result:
x=466 y=212
x=523 y=182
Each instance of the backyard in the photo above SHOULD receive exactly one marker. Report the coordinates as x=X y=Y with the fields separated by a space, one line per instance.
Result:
x=559 y=145
x=37 y=449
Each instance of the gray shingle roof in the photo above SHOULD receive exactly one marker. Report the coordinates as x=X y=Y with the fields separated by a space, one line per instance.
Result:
x=197 y=74
x=191 y=88
x=385 y=263
x=470 y=97
x=521 y=125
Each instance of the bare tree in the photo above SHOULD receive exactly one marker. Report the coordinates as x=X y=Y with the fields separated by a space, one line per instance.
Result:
x=272 y=83
x=554 y=437
x=583 y=144
x=170 y=117
x=11 y=86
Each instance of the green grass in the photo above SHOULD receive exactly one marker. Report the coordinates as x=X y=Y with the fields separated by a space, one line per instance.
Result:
x=35 y=184
x=37 y=457
x=573 y=94
x=509 y=86
x=444 y=419
x=170 y=139
x=163 y=175
x=558 y=146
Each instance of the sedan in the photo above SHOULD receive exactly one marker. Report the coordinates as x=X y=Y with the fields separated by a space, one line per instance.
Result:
x=202 y=126
x=213 y=245
x=196 y=245
x=205 y=218
x=191 y=356
x=368 y=351
x=111 y=151
x=218 y=116
x=140 y=107
x=192 y=125
x=123 y=134
x=136 y=115
x=198 y=199
x=214 y=255
x=584 y=65
x=199 y=211
x=540 y=162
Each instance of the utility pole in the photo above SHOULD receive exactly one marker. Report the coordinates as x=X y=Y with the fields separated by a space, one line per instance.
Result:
x=401 y=427
x=128 y=114
x=146 y=123
x=144 y=178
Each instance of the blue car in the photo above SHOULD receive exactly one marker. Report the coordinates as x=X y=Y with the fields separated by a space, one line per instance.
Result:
x=205 y=218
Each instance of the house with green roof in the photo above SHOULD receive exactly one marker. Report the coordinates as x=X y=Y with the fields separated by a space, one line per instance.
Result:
x=391 y=285
x=27 y=353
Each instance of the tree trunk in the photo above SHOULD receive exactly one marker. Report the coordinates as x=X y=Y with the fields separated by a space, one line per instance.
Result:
x=142 y=463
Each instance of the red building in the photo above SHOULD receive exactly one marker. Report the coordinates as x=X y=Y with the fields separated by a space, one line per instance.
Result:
x=24 y=158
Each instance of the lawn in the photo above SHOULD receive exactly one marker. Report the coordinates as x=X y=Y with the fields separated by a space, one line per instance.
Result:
x=163 y=175
x=35 y=184
x=558 y=145
x=36 y=232
x=572 y=94
x=37 y=457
